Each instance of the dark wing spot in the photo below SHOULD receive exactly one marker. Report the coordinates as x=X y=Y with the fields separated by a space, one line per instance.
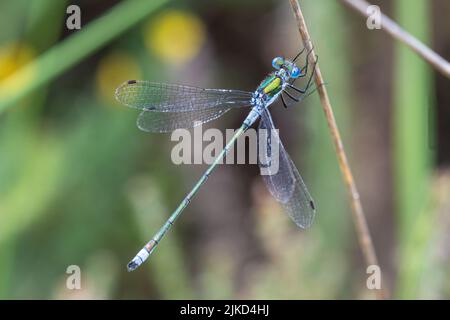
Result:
x=311 y=204
x=150 y=108
x=131 y=82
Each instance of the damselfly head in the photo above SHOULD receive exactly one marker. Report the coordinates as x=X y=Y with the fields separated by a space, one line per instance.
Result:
x=290 y=67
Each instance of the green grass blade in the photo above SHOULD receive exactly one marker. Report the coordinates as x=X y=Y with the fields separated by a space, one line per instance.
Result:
x=61 y=57
x=412 y=154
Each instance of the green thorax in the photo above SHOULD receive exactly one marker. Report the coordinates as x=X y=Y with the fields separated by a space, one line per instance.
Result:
x=271 y=85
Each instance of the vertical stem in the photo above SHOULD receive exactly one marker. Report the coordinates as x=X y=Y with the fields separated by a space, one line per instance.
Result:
x=412 y=153
x=362 y=230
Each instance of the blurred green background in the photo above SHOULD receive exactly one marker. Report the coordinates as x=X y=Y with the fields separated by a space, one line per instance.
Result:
x=81 y=185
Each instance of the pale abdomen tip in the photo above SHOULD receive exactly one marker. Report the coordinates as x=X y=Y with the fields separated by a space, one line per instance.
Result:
x=132 y=266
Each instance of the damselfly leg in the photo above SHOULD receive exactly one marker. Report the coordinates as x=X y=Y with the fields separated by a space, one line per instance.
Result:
x=300 y=91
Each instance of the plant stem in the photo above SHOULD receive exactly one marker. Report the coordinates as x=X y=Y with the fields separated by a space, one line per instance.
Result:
x=413 y=155
x=359 y=219
x=388 y=25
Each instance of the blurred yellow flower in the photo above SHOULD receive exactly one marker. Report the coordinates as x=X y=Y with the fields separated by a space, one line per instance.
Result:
x=175 y=36
x=13 y=56
x=113 y=70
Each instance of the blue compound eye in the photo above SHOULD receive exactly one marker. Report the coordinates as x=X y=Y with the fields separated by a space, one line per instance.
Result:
x=295 y=72
x=277 y=62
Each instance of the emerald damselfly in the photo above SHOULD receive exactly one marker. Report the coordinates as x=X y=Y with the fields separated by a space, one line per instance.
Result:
x=167 y=107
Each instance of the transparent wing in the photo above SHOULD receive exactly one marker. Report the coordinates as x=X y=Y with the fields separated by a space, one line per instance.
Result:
x=164 y=97
x=300 y=207
x=285 y=184
x=160 y=122
x=273 y=162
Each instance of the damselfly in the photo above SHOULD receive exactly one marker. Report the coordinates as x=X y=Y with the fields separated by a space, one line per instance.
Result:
x=166 y=107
